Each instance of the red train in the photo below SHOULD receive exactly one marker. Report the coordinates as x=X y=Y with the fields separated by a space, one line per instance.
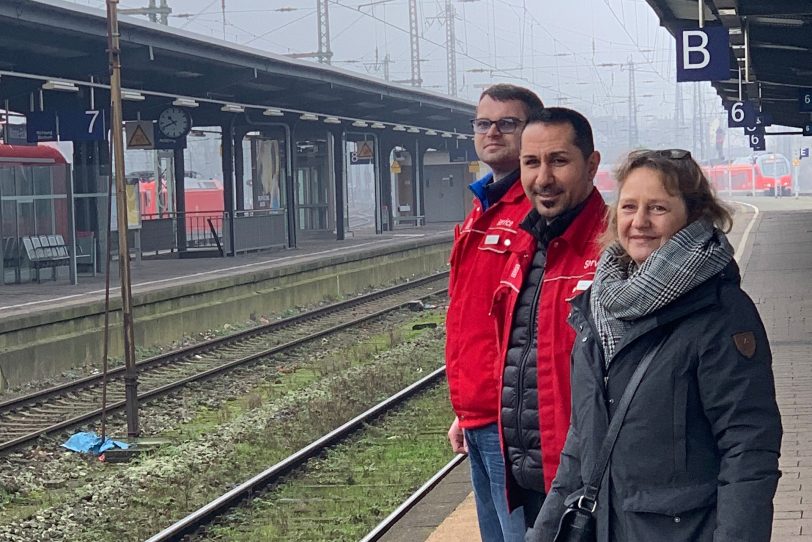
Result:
x=770 y=170
x=762 y=174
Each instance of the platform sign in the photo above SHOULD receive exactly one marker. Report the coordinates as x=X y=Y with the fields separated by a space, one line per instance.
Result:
x=804 y=152
x=741 y=114
x=808 y=129
x=15 y=134
x=755 y=136
x=805 y=99
x=82 y=125
x=41 y=126
x=703 y=54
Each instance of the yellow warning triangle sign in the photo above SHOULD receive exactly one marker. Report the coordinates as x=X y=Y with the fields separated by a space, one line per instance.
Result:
x=139 y=138
x=365 y=150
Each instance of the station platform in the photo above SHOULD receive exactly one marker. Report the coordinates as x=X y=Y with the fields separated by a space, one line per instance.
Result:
x=158 y=273
x=774 y=238
x=52 y=327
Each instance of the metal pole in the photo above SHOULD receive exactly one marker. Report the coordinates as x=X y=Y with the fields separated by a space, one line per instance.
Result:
x=746 y=31
x=130 y=375
x=701 y=13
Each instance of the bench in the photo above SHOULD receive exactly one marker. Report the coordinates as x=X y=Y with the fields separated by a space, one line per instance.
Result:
x=44 y=252
x=86 y=253
x=12 y=255
x=416 y=220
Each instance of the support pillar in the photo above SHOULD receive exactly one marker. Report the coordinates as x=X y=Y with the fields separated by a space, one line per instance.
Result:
x=338 y=176
x=227 y=140
x=180 y=200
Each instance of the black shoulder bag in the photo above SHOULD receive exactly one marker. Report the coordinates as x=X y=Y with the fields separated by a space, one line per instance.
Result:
x=578 y=521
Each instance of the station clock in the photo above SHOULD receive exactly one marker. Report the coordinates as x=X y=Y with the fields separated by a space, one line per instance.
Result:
x=174 y=123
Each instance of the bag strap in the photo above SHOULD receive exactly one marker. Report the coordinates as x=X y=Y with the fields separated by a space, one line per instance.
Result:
x=588 y=501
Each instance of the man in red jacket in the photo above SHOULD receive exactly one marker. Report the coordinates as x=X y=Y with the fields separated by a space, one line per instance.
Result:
x=482 y=246
x=546 y=269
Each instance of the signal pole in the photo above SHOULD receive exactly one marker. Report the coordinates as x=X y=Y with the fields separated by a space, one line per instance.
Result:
x=130 y=373
x=414 y=42
x=450 y=43
x=633 y=135
x=324 y=53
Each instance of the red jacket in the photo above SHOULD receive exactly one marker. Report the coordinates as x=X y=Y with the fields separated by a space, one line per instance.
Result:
x=481 y=249
x=570 y=268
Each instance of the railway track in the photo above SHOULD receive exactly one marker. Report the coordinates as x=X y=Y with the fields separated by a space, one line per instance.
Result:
x=25 y=418
x=214 y=510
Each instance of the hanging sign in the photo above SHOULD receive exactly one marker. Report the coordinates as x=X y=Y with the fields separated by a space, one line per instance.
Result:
x=805 y=99
x=40 y=126
x=703 y=54
x=741 y=114
x=82 y=125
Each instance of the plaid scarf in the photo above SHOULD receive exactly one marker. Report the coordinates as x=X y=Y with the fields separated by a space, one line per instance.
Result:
x=623 y=292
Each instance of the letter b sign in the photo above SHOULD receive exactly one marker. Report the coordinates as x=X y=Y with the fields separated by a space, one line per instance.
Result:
x=703 y=54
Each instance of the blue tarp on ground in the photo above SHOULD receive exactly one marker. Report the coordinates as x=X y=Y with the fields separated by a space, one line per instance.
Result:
x=90 y=442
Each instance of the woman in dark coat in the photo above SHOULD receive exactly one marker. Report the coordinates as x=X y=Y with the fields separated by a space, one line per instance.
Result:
x=696 y=458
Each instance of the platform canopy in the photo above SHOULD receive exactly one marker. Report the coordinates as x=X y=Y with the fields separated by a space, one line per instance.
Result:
x=779 y=46
x=61 y=40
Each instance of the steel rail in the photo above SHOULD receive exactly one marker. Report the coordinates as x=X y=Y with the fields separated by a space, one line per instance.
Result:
x=215 y=508
x=211 y=344
x=214 y=371
x=397 y=514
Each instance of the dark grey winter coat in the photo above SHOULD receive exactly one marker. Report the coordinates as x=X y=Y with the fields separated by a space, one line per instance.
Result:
x=696 y=459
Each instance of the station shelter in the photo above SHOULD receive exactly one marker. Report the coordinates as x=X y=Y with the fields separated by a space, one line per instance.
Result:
x=230 y=149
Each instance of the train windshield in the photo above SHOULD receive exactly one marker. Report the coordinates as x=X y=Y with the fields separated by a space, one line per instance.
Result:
x=774 y=166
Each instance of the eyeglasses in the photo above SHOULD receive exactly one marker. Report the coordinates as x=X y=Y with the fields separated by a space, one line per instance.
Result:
x=505 y=125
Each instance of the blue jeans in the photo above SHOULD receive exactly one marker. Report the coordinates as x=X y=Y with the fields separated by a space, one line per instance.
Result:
x=488 y=479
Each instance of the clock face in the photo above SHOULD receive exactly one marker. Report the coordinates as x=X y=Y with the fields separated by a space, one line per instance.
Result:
x=174 y=122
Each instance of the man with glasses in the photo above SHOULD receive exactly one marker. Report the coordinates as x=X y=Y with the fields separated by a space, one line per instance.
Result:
x=546 y=269
x=482 y=246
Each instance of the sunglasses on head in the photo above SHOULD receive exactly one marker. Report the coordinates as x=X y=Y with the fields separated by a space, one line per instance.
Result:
x=671 y=154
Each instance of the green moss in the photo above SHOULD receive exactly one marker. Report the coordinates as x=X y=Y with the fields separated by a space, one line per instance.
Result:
x=344 y=495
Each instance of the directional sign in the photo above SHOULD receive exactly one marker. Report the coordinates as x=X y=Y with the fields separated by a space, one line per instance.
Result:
x=805 y=99
x=15 y=134
x=140 y=134
x=41 y=126
x=741 y=114
x=703 y=54
x=82 y=125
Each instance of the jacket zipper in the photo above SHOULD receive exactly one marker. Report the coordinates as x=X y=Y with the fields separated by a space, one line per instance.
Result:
x=523 y=363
